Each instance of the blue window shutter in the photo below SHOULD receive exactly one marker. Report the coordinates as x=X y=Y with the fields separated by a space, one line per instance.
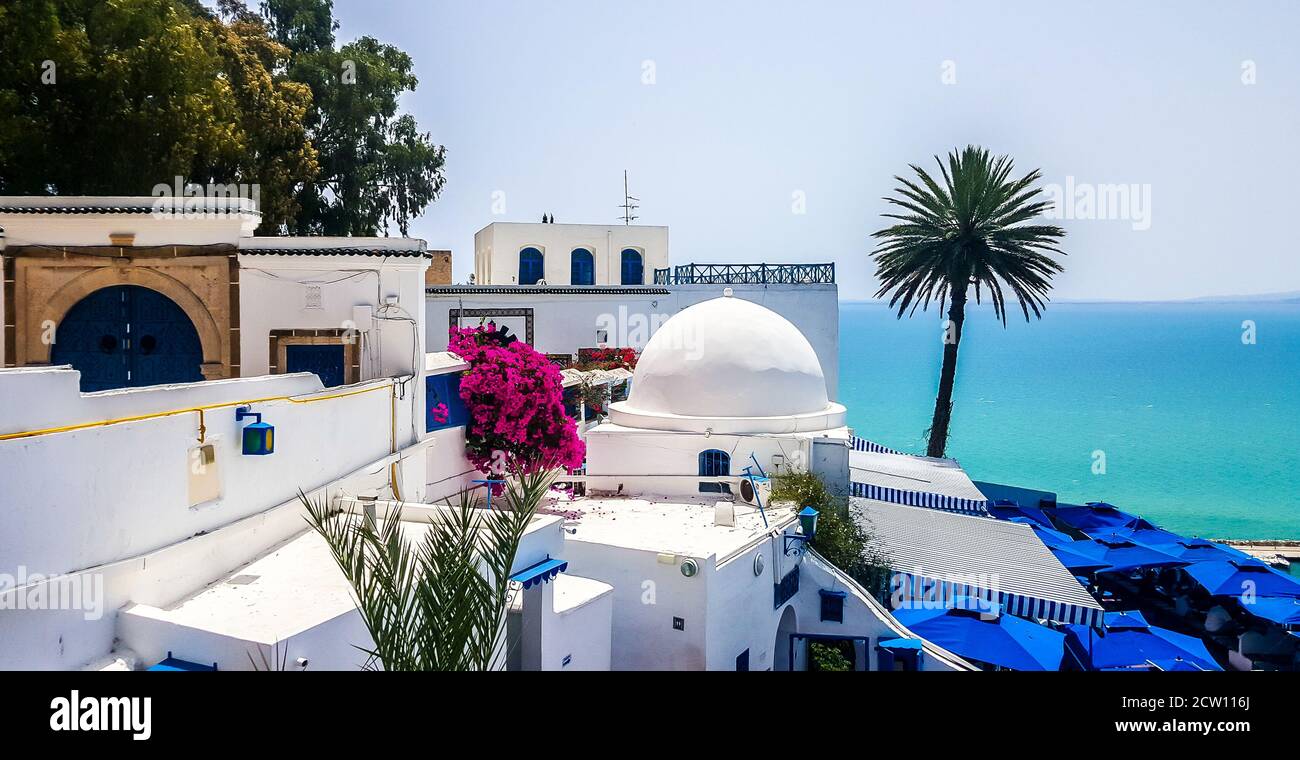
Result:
x=714 y=463
x=531 y=266
x=633 y=267
x=582 y=267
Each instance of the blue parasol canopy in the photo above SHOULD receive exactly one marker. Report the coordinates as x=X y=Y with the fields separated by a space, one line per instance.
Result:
x=1124 y=555
x=1047 y=535
x=1004 y=509
x=1129 y=642
x=1004 y=640
x=1200 y=550
x=1081 y=559
x=1283 y=610
x=1242 y=576
x=1145 y=536
x=1096 y=516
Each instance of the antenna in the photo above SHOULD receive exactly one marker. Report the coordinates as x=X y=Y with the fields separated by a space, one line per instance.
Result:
x=628 y=206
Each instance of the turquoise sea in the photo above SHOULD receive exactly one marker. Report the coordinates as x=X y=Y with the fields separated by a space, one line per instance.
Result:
x=1200 y=431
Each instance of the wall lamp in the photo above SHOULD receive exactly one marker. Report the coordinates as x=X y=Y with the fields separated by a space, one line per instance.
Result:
x=794 y=543
x=258 y=437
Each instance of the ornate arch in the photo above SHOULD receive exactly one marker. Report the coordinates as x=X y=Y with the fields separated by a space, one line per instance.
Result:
x=67 y=296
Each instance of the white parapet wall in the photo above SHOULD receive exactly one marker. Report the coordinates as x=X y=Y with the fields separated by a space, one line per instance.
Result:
x=110 y=507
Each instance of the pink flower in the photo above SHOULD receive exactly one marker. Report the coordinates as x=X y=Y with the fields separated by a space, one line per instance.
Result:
x=517 y=421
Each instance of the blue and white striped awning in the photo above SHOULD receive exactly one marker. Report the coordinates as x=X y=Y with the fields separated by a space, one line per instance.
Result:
x=937 y=556
x=862 y=444
x=908 y=589
x=877 y=472
x=919 y=498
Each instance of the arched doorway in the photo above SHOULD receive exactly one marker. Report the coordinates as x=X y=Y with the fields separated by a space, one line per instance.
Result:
x=127 y=336
x=781 y=651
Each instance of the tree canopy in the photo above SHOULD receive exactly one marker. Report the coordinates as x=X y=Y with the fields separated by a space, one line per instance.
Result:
x=117 y=98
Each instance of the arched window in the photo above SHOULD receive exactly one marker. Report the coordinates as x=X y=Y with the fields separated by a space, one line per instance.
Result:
x=633 y=267
x=582 y=267
x=715 y=463
x=530 y=266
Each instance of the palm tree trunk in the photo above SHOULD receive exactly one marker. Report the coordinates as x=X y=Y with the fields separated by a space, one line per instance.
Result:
x=943 y=402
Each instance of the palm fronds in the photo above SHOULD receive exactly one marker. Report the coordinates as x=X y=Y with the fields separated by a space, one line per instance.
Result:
x=967 y=228
x=440 y=604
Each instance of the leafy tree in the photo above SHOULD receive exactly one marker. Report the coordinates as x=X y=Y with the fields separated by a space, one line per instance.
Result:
x=115 y=98
x=376 y=166
x=969 y=231
x=440 y=604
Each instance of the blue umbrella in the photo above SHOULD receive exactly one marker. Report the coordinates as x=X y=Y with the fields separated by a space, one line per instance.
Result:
x=1283 y=610
x=1047 y=535
x=1200 y=550
x=1004 y=509
x=1241 y=576
x=1152 y=537
x=992 y=637
x=1124 y=555
x=1128 y=641
x=1081 y=557
x=1096 y=516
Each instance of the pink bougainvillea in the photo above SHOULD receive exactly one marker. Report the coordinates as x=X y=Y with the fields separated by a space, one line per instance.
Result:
x=513 y=394
x=440 y=413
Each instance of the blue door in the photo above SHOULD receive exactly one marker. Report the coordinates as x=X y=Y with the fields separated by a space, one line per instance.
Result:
x=326 y=361
x=128 y=336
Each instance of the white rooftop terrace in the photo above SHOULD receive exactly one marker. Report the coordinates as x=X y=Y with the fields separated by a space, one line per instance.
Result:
x=294 y=594
x=677 y=525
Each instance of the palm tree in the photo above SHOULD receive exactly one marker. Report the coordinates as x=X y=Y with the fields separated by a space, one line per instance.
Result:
x=441 y=604
x=968 y=231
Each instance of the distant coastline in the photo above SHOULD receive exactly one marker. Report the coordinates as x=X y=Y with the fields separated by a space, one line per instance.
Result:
x=1292 y=296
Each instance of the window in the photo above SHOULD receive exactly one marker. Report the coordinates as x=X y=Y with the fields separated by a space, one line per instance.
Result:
x=442 y=397
x=715 y=463
x=633 y=267
x=582 y=267
x=530 y=266
x=326 y=360
x=832 y=606
x=742 y=661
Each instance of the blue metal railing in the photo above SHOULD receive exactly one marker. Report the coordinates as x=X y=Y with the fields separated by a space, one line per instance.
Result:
x=746 y=274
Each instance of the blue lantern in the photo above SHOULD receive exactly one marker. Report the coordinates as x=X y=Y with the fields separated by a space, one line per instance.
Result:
x=259 y=437
x=794 y=544
x=808 y=522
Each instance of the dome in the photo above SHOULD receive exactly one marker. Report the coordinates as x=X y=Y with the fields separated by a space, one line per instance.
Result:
x=728 y=365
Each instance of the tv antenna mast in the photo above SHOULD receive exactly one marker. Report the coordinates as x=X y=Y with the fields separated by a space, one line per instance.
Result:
x=628 y=205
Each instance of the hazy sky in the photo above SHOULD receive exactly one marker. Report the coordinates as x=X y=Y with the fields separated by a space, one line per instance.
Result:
x=754 y=102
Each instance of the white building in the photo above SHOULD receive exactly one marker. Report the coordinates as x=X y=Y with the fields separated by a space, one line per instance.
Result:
x=138 y=524
x=724 y=385
x=515 y=253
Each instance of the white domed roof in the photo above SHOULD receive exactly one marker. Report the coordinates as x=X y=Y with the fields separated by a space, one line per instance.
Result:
x=729 y=365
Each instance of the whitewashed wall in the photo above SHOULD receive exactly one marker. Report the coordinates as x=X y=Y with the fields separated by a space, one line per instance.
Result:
x=85 y=497
x=647 y=595
x=273 y=296
x=616 y=457
x=497 y=246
